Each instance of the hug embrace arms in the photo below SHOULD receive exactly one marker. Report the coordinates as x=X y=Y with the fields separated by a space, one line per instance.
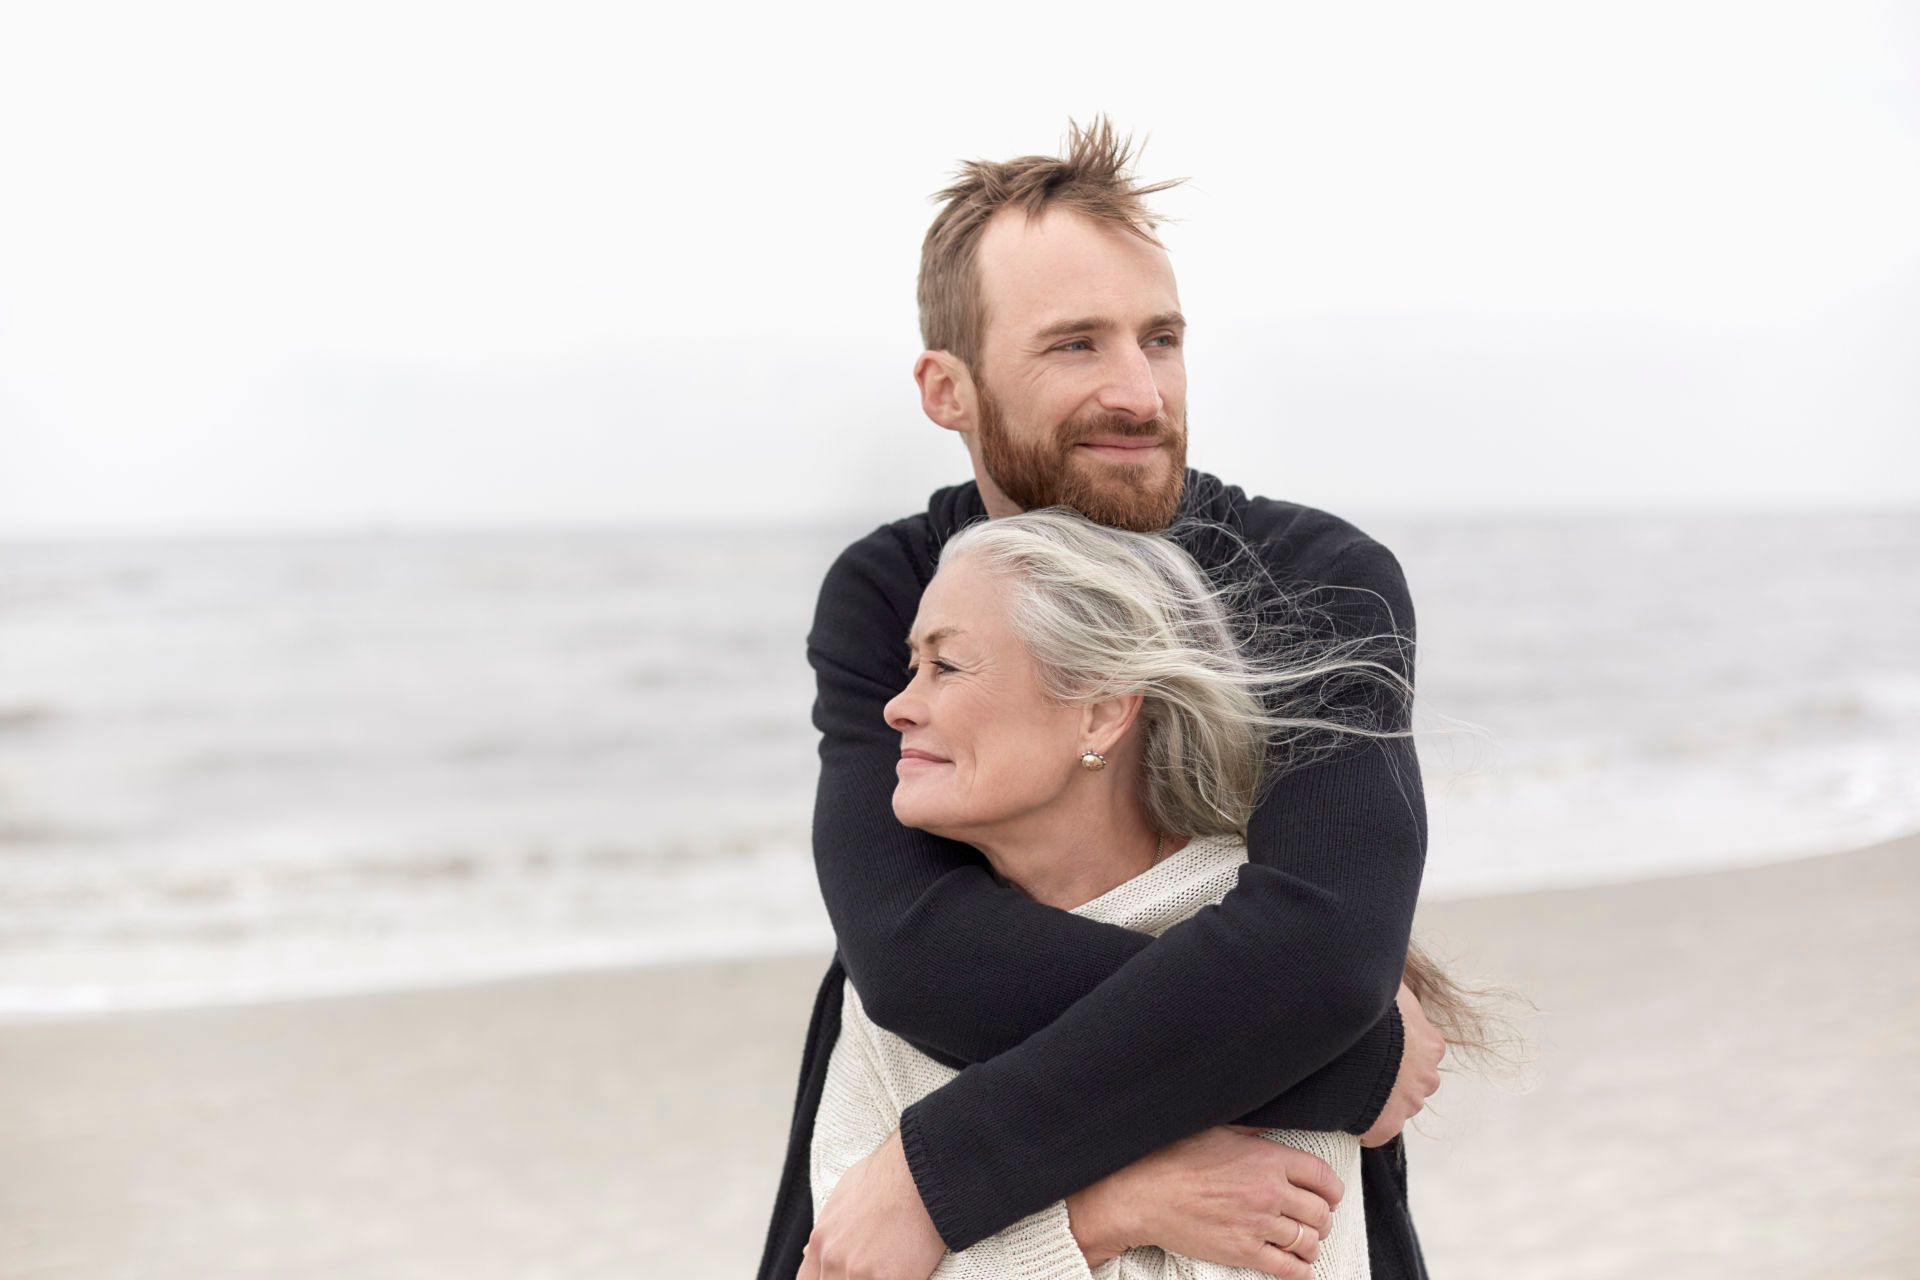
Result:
x=1083 y=1046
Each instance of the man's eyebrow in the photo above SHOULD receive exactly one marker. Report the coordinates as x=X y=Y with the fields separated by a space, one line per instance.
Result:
x=1094 y=324
x=937 y=633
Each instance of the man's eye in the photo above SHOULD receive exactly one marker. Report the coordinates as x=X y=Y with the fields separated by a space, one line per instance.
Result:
x=1171 y=340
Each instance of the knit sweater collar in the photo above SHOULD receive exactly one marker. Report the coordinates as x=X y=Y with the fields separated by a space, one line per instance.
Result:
x=1145 y=901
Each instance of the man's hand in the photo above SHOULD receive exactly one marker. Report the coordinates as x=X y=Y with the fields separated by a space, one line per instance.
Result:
x=1419 y=1072
x=873 y=1225
x=1224 y=1195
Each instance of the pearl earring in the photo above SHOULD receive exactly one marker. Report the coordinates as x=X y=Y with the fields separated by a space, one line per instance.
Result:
x=1092 y=761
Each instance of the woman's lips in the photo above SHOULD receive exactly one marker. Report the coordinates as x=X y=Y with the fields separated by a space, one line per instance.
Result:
x=918 y=757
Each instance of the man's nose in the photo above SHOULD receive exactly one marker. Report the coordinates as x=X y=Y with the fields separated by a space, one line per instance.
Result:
x=1131 y=388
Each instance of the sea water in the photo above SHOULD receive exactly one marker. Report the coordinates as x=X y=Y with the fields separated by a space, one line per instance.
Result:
x=251 y=767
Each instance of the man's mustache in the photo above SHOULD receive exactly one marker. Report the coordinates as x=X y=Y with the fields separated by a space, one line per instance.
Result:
x=1126 y=428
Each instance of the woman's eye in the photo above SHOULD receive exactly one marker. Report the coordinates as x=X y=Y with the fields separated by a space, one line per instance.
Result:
x=937 y=664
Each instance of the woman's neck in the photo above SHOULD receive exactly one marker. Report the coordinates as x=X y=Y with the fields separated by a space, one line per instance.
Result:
x=1067 y=864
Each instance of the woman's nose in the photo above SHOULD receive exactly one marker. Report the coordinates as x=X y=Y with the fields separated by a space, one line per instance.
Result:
x=904 y=710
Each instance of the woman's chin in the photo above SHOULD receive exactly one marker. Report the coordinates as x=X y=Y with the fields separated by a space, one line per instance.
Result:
x=907 y=811
x=912 y=812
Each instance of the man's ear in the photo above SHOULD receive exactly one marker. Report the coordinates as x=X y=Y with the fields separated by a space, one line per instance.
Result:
x=946 y=390
x=1103 y=724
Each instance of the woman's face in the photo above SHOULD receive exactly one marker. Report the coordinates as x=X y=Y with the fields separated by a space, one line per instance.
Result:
x=1002 y=747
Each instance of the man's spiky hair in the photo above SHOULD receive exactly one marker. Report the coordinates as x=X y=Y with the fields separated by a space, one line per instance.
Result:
x=1091 y=179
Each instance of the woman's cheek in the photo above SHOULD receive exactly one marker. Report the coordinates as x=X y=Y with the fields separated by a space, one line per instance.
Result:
x=995 y=788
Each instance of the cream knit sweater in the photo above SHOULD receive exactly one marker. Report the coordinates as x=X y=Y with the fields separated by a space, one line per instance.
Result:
x=874 y=1075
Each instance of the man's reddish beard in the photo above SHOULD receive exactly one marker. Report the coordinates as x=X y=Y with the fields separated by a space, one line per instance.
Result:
x=1125 y=495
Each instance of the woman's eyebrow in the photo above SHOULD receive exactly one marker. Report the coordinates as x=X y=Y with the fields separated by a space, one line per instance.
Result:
x=938 y=633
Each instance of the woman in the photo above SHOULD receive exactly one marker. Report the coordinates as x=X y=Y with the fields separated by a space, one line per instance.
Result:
x=1083 y=711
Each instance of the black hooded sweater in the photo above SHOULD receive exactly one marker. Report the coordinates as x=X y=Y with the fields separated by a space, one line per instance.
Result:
x=1083 y=1046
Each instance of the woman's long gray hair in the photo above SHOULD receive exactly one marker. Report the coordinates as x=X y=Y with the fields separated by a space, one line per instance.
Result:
x=1242 y=678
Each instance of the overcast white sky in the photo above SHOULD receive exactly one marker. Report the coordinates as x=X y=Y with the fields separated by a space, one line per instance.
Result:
x=268 y=266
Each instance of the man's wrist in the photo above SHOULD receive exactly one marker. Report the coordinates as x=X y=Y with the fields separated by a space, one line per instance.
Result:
x=1088 y=1213
x=1382 y=1091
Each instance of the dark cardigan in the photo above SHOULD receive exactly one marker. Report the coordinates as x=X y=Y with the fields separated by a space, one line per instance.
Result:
x=1082 y=1048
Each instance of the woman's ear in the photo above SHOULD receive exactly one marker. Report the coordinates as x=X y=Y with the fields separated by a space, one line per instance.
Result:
x=1104 y=723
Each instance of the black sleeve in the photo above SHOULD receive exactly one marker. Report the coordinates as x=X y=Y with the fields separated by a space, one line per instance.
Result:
x=1086 y=1045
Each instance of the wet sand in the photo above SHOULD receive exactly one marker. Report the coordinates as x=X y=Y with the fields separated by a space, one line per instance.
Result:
x=1719 y=1087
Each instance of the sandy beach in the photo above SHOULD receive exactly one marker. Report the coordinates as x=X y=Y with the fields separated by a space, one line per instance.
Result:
x=1719 y=1087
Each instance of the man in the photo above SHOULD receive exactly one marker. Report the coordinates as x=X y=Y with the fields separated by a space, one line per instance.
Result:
x=1055 y=349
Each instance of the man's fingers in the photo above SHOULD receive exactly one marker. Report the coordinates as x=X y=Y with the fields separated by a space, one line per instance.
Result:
x=1311 y=1173
x=1306 y=1207
x=1307 y=1247
x=1276 y=1261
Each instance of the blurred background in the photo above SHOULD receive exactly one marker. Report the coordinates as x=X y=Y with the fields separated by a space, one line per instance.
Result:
x=423 y=429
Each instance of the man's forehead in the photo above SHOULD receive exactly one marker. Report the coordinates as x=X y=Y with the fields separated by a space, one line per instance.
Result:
x=1065 y=264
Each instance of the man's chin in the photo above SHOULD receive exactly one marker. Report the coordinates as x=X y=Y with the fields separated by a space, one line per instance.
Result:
x=1128 y=494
